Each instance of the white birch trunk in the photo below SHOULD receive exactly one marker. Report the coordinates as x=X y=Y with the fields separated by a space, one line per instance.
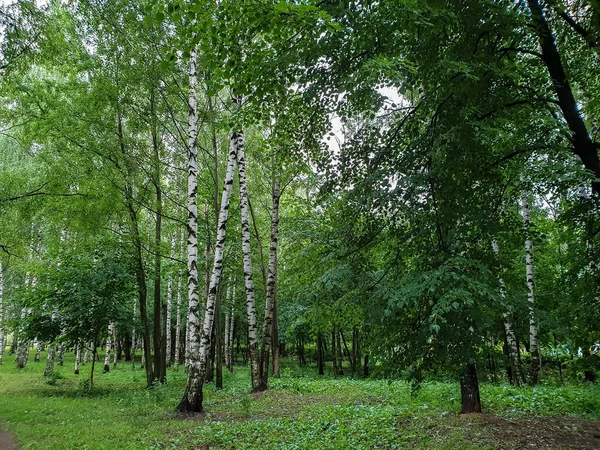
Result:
x=231 y=327
x=38 y=350
x=114 y=343
x=511 y=340
x=247 y=260
x=192 y=398
x=108 y=345
x=60 y=359
x=77 y=359
x=85 y=356
x=169 y=306
x=271 y=282
x=533 y=343
x=226 y=331
x=134 y=343
x=23 y=346
x=50 y=360
x=178 y=320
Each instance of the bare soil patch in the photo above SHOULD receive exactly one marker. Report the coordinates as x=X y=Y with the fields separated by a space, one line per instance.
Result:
x=7 y=440
x=532 y=432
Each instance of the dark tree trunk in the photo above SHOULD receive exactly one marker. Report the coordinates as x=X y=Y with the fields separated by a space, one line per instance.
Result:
x=94 y=354
x=300 y=350
x=334 y=353
x=320 y=356
x=348 y=354
x=210 y=369
x=119 y=349
x=160 y=309
x=278 y=347
x=366 y=366
x=356 y=349
x=140 y=272
x=127 y=346
x=469 y=390
x=582 y=143
x=507 y=361
x=338 y=351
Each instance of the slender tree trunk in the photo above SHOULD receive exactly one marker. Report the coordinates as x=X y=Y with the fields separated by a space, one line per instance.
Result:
x=94 y=353
x=275 y=340
x=38 y=350
x=159 y=335
x=169 y=308
x=231 y=332
x=366 y=366
x=193 y=396
x=469 y=390
x=513 y=349
x=60 y=359
x=334 y=360
x=227 y=321
x=320 y=356
x=23 y=346
x=108 y=347
x=117 y=347
x=210 y=368
x=140 y=271
x=348 y=354
x=178 y=320
x=338 y=351
x=583 y=146
x=247 y=259
x=356 y=349
x=134 y=342
x=50 y=359
x=218 y=345
x=533 y=343
x=269 y=326
x=77 y=358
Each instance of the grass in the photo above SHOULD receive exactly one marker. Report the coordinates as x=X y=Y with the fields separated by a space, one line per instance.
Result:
x=300 y=411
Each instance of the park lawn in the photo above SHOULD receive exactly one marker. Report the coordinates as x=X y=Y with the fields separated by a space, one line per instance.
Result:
x=300 y=411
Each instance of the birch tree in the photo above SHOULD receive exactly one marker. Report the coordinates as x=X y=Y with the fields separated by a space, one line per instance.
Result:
x=199 y=345
x=247 y=260
x=533 y=332
x=516 y=374
x=270 y=303
x=107 y=348
x=169 y=307
x=192 y=398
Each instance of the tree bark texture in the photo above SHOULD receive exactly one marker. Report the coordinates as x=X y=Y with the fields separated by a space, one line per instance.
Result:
x=516 y=376
x=247 y=260
x=269 y=326
x=533 y=332
x=469 y=390
x=582 y=143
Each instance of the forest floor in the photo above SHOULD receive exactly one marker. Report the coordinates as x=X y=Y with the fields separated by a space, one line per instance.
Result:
x=300 y=411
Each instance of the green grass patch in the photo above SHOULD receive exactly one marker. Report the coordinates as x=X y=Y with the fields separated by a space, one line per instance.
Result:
x=300 y=411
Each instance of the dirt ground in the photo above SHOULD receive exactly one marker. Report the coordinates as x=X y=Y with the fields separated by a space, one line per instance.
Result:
x=532 y=432
x=7 y=441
